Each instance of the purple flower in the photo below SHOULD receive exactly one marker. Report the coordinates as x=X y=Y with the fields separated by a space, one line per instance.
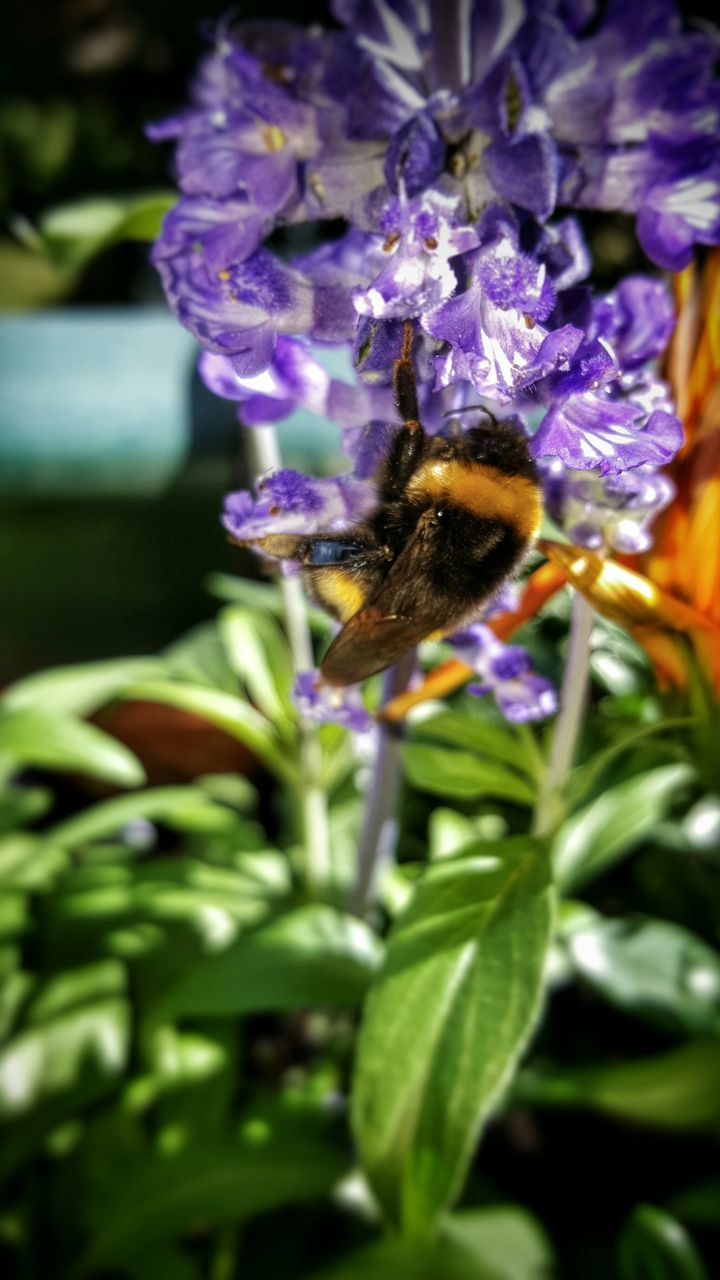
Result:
x=294 y=379
x=591 y=423
x=613 y=511
x=322 y=703
x=420 y=239
x=506 y=672
x=497 y=338
x=289 y=502
x=637 y=320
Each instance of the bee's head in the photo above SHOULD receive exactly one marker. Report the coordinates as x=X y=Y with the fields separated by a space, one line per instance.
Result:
x=503 y=445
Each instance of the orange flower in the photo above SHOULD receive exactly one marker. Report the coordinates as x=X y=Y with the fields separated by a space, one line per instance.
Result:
x=685 y=558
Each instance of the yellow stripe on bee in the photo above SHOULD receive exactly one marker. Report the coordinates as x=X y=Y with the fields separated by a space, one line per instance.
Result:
x=340 y=593
x=482 y=490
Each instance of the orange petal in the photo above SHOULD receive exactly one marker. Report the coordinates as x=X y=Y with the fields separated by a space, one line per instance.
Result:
x=668 y=656
x=619 y=593
x=438 y=683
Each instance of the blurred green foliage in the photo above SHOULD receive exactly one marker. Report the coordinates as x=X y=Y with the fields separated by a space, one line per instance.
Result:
x=179 y=1006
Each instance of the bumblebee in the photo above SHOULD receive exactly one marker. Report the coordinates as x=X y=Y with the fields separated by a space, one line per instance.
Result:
x=454 y=518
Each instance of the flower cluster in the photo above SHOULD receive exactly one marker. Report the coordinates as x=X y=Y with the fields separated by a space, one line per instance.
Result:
x=452 y=140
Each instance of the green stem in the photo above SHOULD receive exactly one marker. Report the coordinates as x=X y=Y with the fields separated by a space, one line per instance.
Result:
x=378 y=836
x=549 y=809
x=312 y=801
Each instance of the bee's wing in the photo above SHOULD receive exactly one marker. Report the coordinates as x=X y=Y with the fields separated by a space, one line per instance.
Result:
x=405 y=609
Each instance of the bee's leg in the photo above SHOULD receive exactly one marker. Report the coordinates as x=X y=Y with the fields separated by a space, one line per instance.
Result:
x=313 y=551
x=409 y=446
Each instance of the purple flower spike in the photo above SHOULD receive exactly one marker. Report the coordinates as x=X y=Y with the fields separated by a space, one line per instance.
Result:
x=289 y=502
x=506 y=672
x=526 y=699
x=322 y=704
x=613 y=511
x=421 y=238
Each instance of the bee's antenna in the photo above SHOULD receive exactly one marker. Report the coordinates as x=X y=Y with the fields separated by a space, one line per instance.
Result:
x=404 y=387
x=471 y=408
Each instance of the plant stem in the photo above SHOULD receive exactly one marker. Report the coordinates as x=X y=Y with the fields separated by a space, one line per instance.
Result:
x=311 y=796
x=548 y=812
x=378 y=836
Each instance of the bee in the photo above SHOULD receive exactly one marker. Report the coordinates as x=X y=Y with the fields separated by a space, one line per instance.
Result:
x=454 y=519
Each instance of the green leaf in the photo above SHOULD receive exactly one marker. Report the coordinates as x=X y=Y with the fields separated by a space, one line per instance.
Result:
x=504 y=1239
x=616 y=822
x=585 y=777
x=394 y=1259
x=232 y=714
x=199 y=657
x=259 y=655
x=169 y=805
x=653 y=969
x=21 y=805
x=29 y=862
x=54 y=741
x=482 y=736
x=698 y=1205
x=80 y=689
x=654 y=1246
x=451 y=833
x=45 y=1060
x=216 y=902
x=462 y=775
x=446 y=1021
x=74 y=233
x=73 y=987
x=314 y=955
x=262 y=595
x=498 y=1243
x=160 y=1197
x=675 y=1090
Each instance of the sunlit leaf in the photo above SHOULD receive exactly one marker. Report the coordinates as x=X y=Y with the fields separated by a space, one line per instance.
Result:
x=262 y=595
x=654 y=969
x=199 y=657
x=79 y=689
x=451 y=833
x=170 y=805
x=446 y=1020
x=462 y=775
x=615 y=823
x=655 y=1246
x=499 y=1243
x=586 y=776
x=46 y=1059
x=259 y=655
x=74 y=233
x=29 y=861
x=504 y=1239
x=675 y=1090
x=55 y=741
x=73 y=987
x=314 y=955
x=21 y=805
x=497 y=742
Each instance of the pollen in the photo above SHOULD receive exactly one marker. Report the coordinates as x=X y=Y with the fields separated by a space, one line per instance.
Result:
x=273 y=137
x=224 y=274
